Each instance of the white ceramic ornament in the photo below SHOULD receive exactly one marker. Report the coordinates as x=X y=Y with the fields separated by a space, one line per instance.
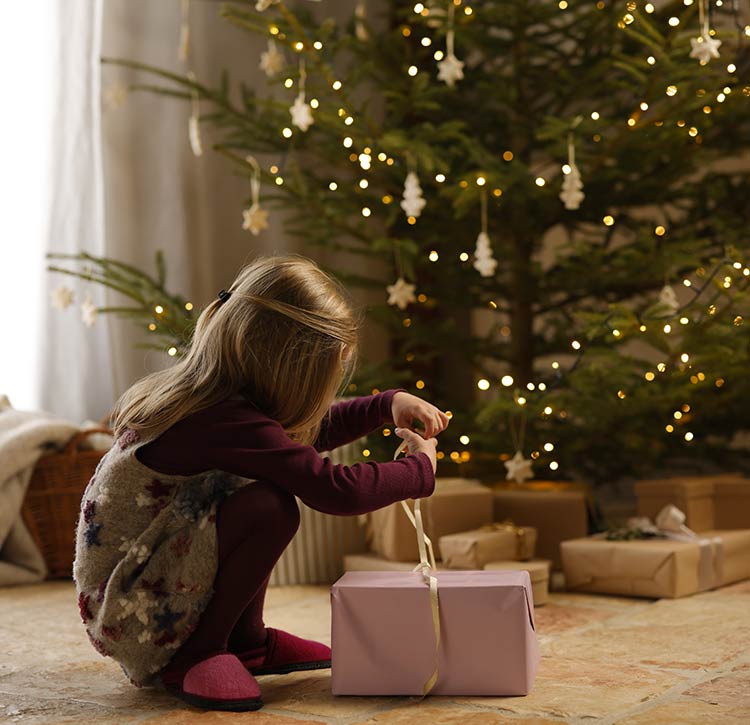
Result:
x=519 y=468
x=572 y=194
x=195 y=136
x=413 y=201
x=302 y=116
x=271 y=60
x=668 y=298
x=450 y=70
x=704 y=48
x=88 y=312
x=62 y=297
x=484 y=262
x=255 y=219
x=401 y=293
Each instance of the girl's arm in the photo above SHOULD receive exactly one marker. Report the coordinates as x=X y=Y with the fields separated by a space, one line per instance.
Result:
x=236 y=438
x=351 y=419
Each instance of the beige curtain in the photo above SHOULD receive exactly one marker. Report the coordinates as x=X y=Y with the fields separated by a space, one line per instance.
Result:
x=157 y=194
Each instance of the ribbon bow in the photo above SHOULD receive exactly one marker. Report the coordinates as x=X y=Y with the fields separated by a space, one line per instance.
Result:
x=670 y=524
x=425 y=568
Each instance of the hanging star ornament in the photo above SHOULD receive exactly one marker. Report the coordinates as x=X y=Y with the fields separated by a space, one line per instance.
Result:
x=302 y=116
x=450 y=70
x=401 y=293
x=271 y=60
x=704 y=48
x=519 y=468
x=255 y=219
x=88 y=312
x=62 y=297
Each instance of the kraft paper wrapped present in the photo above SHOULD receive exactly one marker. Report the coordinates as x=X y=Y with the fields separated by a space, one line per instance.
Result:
x=456 y=505
x=538 y=569
x=657 y=567
x=731 y=502
x=494 y=542
x=557 y=510
x=693 y=495
x=383 y=639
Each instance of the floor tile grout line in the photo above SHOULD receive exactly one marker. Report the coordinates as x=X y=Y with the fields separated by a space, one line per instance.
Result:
x=679 y=689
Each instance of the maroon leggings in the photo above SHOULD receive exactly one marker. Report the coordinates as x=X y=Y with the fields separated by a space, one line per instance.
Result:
x=254 y=525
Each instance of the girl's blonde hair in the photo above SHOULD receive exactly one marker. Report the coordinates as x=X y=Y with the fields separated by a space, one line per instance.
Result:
x=285 y=340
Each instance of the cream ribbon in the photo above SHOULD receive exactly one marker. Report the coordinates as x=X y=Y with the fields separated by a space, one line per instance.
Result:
x=670 y=523
x=425 y=568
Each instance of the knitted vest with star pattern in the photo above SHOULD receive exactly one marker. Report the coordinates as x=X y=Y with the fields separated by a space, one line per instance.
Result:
x=146 y=556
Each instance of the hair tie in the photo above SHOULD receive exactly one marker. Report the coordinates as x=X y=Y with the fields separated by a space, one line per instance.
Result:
x=224 y=296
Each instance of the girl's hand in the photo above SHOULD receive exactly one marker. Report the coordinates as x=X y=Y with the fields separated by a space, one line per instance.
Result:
x=406 y=407
x=417 y=444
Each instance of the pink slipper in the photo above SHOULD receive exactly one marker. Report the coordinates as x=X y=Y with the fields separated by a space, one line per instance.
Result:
x=217 y=683
x=284 y=653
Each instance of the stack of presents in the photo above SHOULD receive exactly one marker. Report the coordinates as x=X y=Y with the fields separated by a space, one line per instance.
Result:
x=466 y=626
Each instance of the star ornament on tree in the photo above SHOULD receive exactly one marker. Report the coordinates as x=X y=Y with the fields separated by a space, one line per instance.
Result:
x=88 y=312
x=271 y=60
x=62 y=297
x=255 y=219
x=704 y=48
x=450 y=70
x=302 y=116
x=401 y=293
x=519 y=468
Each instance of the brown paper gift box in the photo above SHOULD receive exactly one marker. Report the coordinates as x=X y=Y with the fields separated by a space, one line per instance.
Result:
x=538 y=571
x=653 y=567
x=693 y=495
x=558 y=511
x=456 y=505
x=495 y=542
x=731 y=502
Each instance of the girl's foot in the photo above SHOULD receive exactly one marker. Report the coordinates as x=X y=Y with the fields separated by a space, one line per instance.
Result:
x=284 y=652
x=220 y=682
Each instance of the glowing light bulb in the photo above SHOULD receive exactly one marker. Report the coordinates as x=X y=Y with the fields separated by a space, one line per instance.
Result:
x=483 y=384
x=172 y=351
x=549 y=447
x=548 y=410
x=464 y=439
x=554 y=465
x=506 y=380
x=413 y=70
x=433 y=256
x=440 y=178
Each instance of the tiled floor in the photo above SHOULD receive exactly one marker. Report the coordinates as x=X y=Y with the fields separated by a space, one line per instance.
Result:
x=605 y=659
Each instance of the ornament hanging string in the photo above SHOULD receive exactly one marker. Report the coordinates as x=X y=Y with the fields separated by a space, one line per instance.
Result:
x=184 y=49
x=255 y=180
x=450 y=34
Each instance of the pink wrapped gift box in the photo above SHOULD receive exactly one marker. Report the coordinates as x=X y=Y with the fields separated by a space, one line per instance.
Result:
x=383 y=639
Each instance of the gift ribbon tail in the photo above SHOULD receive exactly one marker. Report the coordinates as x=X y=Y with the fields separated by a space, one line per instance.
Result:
x=426 y=566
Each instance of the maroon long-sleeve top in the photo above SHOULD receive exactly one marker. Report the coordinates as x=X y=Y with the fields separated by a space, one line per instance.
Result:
x=235 y=437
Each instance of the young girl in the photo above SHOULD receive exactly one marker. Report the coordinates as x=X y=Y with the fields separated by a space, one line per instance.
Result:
x=189 y=511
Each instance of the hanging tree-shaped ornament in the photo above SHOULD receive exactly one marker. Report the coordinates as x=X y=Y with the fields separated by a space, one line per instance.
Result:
x=300 y=110
x=668 y=299
x=184 y=49
x=450 y=68
x=254 y=218
x=484 y=260
x=272 y=60
x=413 y=201
x=194 y=128
x=705 y=46
x=572 y=187
x=401 y=292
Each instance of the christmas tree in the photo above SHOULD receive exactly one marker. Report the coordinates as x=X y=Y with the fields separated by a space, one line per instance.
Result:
x=550 y=195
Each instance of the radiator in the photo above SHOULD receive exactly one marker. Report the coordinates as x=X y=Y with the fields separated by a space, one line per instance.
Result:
x=315 y=555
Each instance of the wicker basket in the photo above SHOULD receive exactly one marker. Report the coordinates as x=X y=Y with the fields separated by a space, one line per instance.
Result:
x=53 y=501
